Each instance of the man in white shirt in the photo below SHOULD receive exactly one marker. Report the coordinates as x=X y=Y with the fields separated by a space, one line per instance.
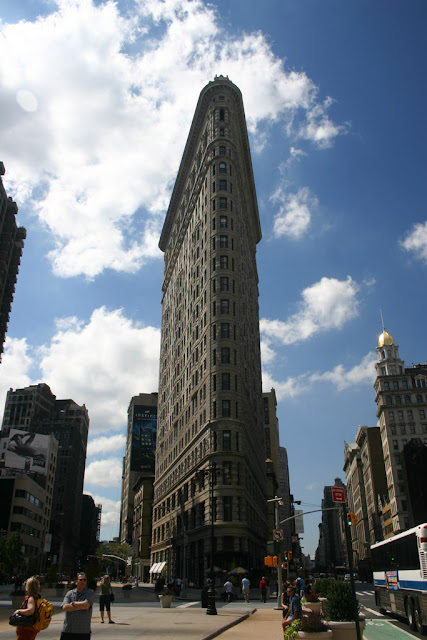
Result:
x=245 y=588
x=228 y=590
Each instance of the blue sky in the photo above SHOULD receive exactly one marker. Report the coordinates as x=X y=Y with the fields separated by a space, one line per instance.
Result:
x=96 y=102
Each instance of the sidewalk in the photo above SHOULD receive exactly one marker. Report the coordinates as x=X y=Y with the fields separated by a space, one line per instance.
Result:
x=183 y=621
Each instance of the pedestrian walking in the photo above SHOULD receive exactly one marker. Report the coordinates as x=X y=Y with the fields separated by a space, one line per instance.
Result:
x=245 y=588
x=263 y=589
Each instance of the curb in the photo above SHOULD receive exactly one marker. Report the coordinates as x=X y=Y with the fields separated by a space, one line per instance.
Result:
x=218 y=632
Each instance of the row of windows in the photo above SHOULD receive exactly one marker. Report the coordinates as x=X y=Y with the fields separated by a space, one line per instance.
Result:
x=226 y=409
x=391 y=414
x=407 y=399
x=395 y=385
x=21 y=493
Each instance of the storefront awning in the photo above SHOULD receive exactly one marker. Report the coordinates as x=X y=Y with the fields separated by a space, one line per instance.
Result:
x=157 y=567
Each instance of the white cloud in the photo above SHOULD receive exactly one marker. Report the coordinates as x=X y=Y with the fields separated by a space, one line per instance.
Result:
x=327 y=304
x=104 y=473
x=104 y=444
x=101 y=363
x=15 y=366
x=339 y=377
x=88 y=118
x=110 y=515
x=294 y=217
x=318 y=128
x=416 y=241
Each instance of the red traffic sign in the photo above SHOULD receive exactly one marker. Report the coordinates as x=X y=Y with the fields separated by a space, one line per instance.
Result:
x=278 y=535
x=338 y=494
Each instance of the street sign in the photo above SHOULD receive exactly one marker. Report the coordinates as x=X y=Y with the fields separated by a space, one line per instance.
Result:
x=338 y=494
x=278 y=535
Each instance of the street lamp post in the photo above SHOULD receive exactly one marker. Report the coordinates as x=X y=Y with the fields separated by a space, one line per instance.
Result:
x=278 y=502
x=212 y=472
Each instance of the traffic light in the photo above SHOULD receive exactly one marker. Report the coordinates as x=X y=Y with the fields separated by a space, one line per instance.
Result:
x=267 y=561
x=284 y=565
x=274 y=564
x=351 y=519
x=289 y=555
x=286 y=556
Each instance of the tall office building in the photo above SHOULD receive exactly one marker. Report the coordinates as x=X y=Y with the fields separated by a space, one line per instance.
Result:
x=401 y=397
x=35 y=410
x=138 y=480
x=11 y=245
x=210 y=448
x=331 y=551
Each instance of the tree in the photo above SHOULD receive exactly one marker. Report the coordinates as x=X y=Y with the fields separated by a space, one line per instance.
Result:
x=11 y=554
x=114 y=549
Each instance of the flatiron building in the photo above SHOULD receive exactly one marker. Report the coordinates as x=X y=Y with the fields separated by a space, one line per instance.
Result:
x=210 y=456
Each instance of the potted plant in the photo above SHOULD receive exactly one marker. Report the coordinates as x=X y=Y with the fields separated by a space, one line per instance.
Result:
x=166 y=597
x=127 y=588
x=342 y=609
x=310 y=626
x=321 y=588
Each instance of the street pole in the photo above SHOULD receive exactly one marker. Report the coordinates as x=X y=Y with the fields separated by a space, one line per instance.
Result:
x=350 y=565
x=211 y=608
x=279 y=560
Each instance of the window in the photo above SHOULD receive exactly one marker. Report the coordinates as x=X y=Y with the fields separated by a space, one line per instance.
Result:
x=223 y=203
x=407 y=399
x=223 y=185
x=393 y=430
x=221 y=115
x=223 y=222
x=404 y=384
x=398 y=400
x=391 y=415
x=214 y=383
x=226 y=440
x=223 y=242
x=226 y=408
x=225 y=307
x=222 y=151
x=223 y=283
x=419 y=399
x=222 y=167
x=225 y=355
x=225 y=381
x=400 y=415
x=222 y=133
x=228 y=511
x=395 y=385
x=403 y=429
x=395 y=445
x=386 y=386
x=223 y=262
x=225 y=330
x=388 y=400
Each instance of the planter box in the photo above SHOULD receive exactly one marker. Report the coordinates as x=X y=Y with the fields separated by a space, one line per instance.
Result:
x=312 y=606
x=323 y=602
x=345 y=630
x=318 y=635
x=166 y=601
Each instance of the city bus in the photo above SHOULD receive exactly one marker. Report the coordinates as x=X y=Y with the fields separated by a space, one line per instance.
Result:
x=400 y=576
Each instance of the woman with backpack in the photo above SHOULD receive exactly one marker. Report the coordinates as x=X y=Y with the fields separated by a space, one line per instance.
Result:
x=28 y=608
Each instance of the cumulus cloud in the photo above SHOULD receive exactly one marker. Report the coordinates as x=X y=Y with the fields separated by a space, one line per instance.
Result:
x=327 y=304
x=104 y=473
x=88 y=117
x=294 y=216
x=110 y=515
x=15 y=366
x=104 y=444
x=416 y=241
x=100 y=363
x=340 y=378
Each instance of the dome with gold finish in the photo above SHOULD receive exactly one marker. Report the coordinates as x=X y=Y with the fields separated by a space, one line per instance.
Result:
x=385 y=339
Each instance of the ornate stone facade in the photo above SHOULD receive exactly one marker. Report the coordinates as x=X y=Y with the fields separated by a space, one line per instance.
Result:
x=210 y=418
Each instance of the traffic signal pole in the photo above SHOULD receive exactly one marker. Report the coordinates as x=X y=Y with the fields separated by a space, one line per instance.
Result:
x=350 y=565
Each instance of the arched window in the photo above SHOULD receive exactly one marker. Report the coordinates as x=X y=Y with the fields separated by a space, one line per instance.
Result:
x=407 y=399
x=222 y=167
x=222 y=115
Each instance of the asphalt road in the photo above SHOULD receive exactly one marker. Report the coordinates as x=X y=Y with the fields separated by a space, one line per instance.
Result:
x=366 y=597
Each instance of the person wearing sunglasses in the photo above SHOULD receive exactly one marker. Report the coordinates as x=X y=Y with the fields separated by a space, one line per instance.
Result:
x=78 y=607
